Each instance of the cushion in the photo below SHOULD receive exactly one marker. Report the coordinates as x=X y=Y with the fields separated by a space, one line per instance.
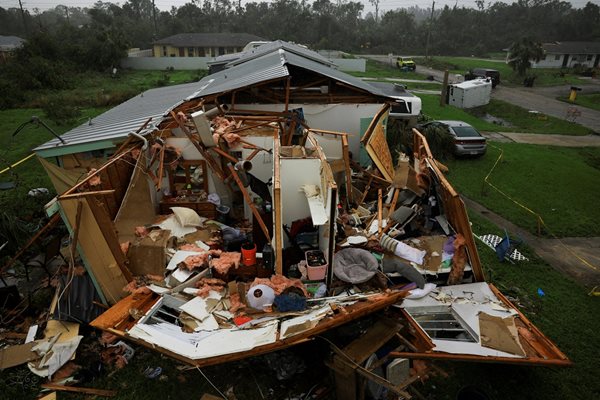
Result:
x=393 y=264
x=354 y=265
x=187 y=217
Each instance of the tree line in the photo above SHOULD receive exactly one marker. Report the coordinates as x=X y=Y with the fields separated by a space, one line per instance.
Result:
x=66 y=40
x=323 y=24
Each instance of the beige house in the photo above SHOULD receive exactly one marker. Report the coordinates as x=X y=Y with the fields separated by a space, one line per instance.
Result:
x=202 y=44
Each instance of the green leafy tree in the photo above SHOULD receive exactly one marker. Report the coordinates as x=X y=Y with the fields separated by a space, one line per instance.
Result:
x=522 y=52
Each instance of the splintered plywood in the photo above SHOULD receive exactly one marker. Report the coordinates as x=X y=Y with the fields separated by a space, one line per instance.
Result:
x=95 y=251
x=379 y=152
x=136 y=208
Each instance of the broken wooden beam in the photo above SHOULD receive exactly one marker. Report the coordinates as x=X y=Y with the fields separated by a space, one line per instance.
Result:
x=250 y=203
x=77 y=389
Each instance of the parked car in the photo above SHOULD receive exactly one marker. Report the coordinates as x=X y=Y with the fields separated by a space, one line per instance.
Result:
x=406 y=63
x=467 y=140
x=492 y=74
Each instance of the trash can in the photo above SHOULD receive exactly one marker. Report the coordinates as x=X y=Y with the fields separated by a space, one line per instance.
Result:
x=528 y=81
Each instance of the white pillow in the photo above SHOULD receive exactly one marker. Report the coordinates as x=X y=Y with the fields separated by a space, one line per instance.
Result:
x=187 y=217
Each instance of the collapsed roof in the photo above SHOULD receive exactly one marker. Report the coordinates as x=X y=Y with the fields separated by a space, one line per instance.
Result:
x=261 y=77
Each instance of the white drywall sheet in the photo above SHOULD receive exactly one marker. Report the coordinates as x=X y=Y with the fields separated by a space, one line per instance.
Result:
x=294 y=173
x=332 y=117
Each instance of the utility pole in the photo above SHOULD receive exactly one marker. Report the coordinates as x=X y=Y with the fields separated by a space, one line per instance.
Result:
x=154 y=17
x=23 y=16
x=429 y=32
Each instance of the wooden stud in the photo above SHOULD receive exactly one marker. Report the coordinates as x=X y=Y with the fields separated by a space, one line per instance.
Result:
x=209 y=159
x=366 y=191
x=379 y=211
x=249 y=202
x=83 y=194
x=97 y=172
x=346 y=156
x=75 y=389
x=392 y=208
x=161 y=166
x=287 y=93
x=277 y=205
x=224 y=154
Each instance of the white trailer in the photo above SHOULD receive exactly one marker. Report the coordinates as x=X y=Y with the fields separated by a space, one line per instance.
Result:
x=470 y=94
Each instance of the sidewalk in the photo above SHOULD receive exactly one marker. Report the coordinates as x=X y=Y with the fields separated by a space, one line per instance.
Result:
x=544 y=139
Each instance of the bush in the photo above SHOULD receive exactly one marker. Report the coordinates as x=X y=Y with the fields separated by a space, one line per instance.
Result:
x=441 y=142
x=60 y=110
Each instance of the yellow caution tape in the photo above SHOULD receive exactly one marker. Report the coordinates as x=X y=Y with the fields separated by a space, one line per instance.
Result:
x=538 y=216
x=17 y=163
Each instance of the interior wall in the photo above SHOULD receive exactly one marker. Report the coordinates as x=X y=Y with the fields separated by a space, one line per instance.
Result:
x=332 y=117
x=296 y=172
x=262 y=163
x=331 y=145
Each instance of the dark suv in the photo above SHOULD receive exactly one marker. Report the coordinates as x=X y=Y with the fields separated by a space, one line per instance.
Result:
x=493 y=74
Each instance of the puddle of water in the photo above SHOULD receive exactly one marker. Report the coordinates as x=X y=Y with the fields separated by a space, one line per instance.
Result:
x=495 y=120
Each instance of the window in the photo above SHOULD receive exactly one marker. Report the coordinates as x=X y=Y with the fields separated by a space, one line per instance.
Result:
x=201 y=52
x=190 y=52
x=589 y=57
x=164 y=51
x=557 y=57
x=442 y=322
x=221 y=51
x=181 y=52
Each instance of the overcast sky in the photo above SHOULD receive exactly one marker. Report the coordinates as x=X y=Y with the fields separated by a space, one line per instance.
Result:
x=166 y=4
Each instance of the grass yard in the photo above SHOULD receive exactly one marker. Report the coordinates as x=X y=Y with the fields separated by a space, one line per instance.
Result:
x=591 y=100
x=566 y=315
x=433 y=110
x=30 y=174
x=524 y=121
x=94 y=89
x=559 y=183
x=520 y=119
x=381 y=70
x=460 y=65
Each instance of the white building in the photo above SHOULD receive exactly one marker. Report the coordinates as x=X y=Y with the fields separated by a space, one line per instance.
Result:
x=569 y=54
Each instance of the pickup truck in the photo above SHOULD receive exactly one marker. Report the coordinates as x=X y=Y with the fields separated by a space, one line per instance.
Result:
x=406 y=64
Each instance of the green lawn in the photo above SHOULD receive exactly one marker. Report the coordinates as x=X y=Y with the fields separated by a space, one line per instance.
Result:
x=559 y=183
x=94 y=89
x=566 y=314
x=524 y=121
x=433 y=110
x=591 y=100
x=377 y=69
x=460 y=65
x=30 y=174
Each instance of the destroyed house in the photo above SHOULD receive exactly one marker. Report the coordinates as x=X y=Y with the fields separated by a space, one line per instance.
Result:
x=243 y=223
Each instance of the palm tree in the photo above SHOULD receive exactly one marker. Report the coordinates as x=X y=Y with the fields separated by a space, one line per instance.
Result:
x=522 y=52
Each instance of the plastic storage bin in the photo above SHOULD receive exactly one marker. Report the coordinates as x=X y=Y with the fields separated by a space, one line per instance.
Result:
x=316 y=266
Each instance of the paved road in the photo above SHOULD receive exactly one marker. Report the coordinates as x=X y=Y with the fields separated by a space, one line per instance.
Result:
x=530 y=99
x=536 y=99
